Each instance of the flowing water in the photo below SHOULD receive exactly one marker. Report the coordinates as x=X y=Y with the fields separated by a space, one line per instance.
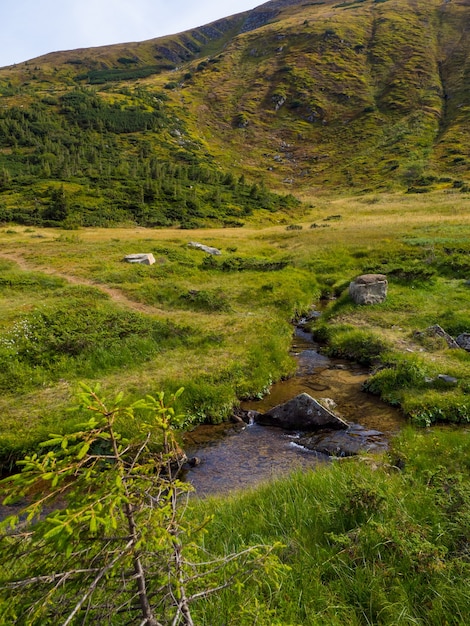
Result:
x=238 y=457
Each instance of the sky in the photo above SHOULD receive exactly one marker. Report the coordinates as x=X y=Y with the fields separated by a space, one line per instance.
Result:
x=31 y=28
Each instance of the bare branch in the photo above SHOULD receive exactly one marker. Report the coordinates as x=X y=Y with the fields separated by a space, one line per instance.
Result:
x=139 y=452
x=95 y=582
x=49 y=578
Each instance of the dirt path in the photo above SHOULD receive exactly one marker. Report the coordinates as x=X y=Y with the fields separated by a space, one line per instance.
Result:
x=114 y=294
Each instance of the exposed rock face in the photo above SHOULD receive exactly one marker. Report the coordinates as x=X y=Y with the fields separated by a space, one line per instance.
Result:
x=463 y=341
x=369 y=289
x=201 y=246
x=438 y=331
x=265 y=13
x=144 y=259
x=279 y=101
x=301 y=413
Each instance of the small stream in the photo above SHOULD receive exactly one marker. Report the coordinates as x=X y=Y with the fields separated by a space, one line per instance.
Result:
x=236 y=457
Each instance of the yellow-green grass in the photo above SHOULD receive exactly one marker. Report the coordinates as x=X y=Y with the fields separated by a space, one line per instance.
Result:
x=237 y=322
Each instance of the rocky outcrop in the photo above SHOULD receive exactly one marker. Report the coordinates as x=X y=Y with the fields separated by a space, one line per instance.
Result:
x=201 y=246
x=369 y=289
x=463 y=341
x=279 y=101
x=144 y=258
x=438 y=331
x=301 y=413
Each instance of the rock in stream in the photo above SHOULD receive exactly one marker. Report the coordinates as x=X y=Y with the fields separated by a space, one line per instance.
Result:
x=301 y=413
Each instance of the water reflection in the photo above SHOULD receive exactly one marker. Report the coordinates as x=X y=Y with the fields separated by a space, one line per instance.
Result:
x=244 y=458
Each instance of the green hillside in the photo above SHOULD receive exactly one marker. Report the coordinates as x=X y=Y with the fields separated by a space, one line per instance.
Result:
x=306 y=143
x=201 y=127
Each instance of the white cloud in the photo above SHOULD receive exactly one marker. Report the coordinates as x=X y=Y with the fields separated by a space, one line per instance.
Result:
x=30 y=28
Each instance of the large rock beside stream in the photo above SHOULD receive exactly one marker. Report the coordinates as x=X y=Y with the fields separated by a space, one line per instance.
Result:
x=301 y=413
x=368 y=289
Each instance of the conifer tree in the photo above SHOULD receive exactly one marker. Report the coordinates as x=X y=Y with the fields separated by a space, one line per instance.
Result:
x=102 y=538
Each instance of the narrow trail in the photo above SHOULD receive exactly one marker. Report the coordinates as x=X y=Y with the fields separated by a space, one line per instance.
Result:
x=114 y=294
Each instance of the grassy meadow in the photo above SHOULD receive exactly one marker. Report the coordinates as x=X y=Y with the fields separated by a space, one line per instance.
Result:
x=370 y=540
x=71 y=310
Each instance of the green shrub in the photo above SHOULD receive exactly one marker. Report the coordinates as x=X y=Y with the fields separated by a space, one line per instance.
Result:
x=321 y=332
x=42 y=336
x=29 y=281
x=410 y=273
x=455 y=322
x=98 y=77
x=455 y=265
x=206 y=300
x=206 y=399
x=77 y=337
x=240 y=264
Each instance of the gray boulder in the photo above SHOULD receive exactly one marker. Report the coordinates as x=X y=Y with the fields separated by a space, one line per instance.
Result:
x=144 y=258
x=368 y=289
x=201 y=246
x=446 y=379
x=463 y=341
x=301 y=413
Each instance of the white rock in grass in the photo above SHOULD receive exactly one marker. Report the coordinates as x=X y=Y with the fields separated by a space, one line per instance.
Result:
x=144 y=259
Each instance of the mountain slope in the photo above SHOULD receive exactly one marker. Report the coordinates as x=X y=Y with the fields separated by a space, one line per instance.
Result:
x=194 y=128
x=350 y=93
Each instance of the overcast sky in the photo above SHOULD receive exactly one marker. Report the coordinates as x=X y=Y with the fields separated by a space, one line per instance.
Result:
x=30 y=28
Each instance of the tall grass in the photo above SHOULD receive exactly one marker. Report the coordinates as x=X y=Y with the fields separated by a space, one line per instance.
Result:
x=365 y=543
